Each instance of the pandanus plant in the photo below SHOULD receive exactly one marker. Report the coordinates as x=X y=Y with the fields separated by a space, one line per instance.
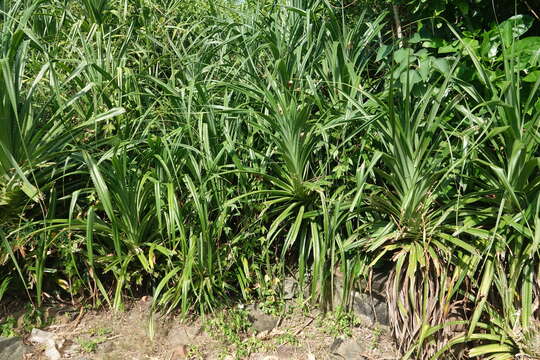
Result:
x=16 y=117
x=502 y=211
x=415 y=210
x=36 y=141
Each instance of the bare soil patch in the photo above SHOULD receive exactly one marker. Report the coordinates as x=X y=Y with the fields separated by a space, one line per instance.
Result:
x=135 y=334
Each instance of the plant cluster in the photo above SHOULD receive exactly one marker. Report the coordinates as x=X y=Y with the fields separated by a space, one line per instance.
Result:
x=231 y=328
x=199 y=156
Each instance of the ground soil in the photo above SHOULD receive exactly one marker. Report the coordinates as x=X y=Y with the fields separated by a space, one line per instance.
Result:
x=106 y=335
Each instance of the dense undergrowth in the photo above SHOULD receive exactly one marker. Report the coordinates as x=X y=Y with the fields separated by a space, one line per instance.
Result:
x=200 y=153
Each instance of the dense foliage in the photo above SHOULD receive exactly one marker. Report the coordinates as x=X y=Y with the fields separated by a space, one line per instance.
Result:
x=200 y=153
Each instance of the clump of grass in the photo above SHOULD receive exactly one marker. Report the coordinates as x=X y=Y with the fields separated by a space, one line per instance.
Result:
x=339 y=323
x=8 y=327
x=231 y=328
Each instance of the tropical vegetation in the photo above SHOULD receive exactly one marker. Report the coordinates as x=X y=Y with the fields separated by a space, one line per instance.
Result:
x=199 y=152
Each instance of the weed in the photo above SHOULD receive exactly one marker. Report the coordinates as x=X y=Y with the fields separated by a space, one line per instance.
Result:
x=100 y=331
x=377 y=333
x=34 y=318
x=271 y=302
x=248 y=346
x=195 y=352
x=229 y=325
x=287 y=338
x=338 y=323
x=90 y=345
x=8 y=327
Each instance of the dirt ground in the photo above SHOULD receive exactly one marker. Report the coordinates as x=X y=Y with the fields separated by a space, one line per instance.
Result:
x=136 y=335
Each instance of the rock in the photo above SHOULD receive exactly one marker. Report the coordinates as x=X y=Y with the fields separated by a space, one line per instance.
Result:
x=290 y=288
x=12 y=348
x=263 y=322
x=371 y=306
x=260 y=321
x=346 y=348
x=49 y=340
x=379 y=281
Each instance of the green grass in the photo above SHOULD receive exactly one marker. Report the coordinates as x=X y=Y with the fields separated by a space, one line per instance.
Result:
x=200 y=156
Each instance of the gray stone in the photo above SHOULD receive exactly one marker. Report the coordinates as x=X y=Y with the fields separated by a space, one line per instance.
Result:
x=12 y=348
x=347 y=348
x=370 y=306
x=379 y=280
x=49 y=340
x=290 y=288
x=260 y=321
